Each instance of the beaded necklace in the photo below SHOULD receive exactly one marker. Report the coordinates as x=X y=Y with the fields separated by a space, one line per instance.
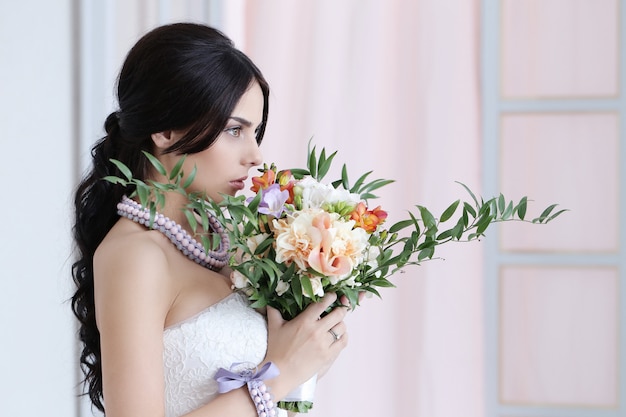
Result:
x=213 y=260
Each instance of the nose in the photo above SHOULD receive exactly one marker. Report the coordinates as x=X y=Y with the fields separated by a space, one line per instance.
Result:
x=254 y=156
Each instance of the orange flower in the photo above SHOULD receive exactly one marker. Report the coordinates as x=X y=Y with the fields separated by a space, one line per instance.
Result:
x=260 y=183
x=286 y=182
x=368 y=219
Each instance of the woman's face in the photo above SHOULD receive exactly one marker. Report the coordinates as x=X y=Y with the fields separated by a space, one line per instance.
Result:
x=223 y=167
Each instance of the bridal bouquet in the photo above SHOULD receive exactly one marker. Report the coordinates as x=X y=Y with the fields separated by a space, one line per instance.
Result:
x=300 y=237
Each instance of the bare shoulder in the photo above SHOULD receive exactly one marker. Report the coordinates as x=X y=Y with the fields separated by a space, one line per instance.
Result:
x=130 y=266
x=129 y=247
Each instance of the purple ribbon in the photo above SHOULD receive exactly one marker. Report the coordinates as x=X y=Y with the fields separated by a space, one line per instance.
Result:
x=228 y=380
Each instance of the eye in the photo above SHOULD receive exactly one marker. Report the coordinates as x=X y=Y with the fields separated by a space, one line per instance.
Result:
x=234 y=131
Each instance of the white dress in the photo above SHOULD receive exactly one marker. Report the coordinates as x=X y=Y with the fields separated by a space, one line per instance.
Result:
x=224 y=333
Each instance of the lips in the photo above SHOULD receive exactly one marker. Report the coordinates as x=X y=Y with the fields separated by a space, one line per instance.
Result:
x=239 y=183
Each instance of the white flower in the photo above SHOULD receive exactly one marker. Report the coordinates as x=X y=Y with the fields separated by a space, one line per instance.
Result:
x=316 y=283
x=281 y=287
x=293 y=241
x=239 y=280
x=372 y=253
x=253 y=242
x=315 y=194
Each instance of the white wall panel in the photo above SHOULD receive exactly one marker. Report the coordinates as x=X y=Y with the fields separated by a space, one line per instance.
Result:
x=37 y=354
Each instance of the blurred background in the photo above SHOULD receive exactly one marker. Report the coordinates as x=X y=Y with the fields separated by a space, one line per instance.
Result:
x=523 y=97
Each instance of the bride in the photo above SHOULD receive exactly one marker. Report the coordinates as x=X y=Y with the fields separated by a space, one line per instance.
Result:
x=157 y=324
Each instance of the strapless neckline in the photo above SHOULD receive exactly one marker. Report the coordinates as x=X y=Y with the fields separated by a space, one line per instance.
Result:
x=202 y=312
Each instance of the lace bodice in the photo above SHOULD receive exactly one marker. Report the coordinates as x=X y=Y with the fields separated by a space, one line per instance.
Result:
x=224 y=333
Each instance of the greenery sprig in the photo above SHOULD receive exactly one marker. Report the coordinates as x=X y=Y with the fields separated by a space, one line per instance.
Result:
x=407 y=242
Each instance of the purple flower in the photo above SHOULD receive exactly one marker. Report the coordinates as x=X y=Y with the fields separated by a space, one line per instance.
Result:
x=273 y=201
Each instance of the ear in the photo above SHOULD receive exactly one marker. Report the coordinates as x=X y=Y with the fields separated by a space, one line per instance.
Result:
x=163 y=140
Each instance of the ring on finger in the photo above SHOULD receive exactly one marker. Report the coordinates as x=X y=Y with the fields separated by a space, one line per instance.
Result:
x=334 y=335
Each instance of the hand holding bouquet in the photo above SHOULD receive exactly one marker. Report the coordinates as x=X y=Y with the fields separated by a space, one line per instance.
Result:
x=299 y=237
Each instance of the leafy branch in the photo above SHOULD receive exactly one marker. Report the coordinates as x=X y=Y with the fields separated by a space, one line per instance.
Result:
x=414 y=240
x=407 y=242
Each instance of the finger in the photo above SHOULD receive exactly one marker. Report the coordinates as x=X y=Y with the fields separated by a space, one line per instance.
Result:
x=316 y=309
x=340 y=343
x=334 y=334
x=274 y=318
x=333 y=318
x=345 y=302
x=338 y=331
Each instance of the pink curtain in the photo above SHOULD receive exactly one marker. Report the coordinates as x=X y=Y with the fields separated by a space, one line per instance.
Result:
x=393 y=86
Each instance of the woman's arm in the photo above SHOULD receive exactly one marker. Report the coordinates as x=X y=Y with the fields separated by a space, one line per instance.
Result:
x=132 y=297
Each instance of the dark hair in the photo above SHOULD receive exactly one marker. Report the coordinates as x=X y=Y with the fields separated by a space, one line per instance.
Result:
x=178 y=76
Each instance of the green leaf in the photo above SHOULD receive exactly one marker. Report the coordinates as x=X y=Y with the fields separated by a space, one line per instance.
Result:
x=296 y=289
x=126 y=172
x=115 y=180
x=193 y=222
x=143 y=191
x=445 y=216
x=177 y=167
x=501 y=203
x=368 y=196
x=470 y=193
x=307 y=287
x=344 y=177
x=155 y=163
x=457 y=231
x=295 y=406
x=382 y=282
x=152 y=214
x=483 y=223
x=521 y=208
x=207 y=244
x=555 y=215
x=191 y=177
x=260 y=249
x=464 y=219
x=312 y=164
x=356 y=188
x=396 y=227
x=253 y=205
x=160 y=186
x=352 y=295
x=427 y=217
x=425 y=253
x=547 y=211
x=299 y=173
x=415 y=222
x=372 y=290
x=160 y=200
x=508 y=211
x=445 y=234
x=493 y=207
x=469 y=209
x=374 y=185
x=427 y=244
x=324 y=165
x=486 y=208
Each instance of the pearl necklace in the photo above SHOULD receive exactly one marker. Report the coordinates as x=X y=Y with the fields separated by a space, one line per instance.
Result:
x=213 y=260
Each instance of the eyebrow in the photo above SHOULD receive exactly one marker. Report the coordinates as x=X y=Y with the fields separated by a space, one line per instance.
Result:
x=241 y=120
